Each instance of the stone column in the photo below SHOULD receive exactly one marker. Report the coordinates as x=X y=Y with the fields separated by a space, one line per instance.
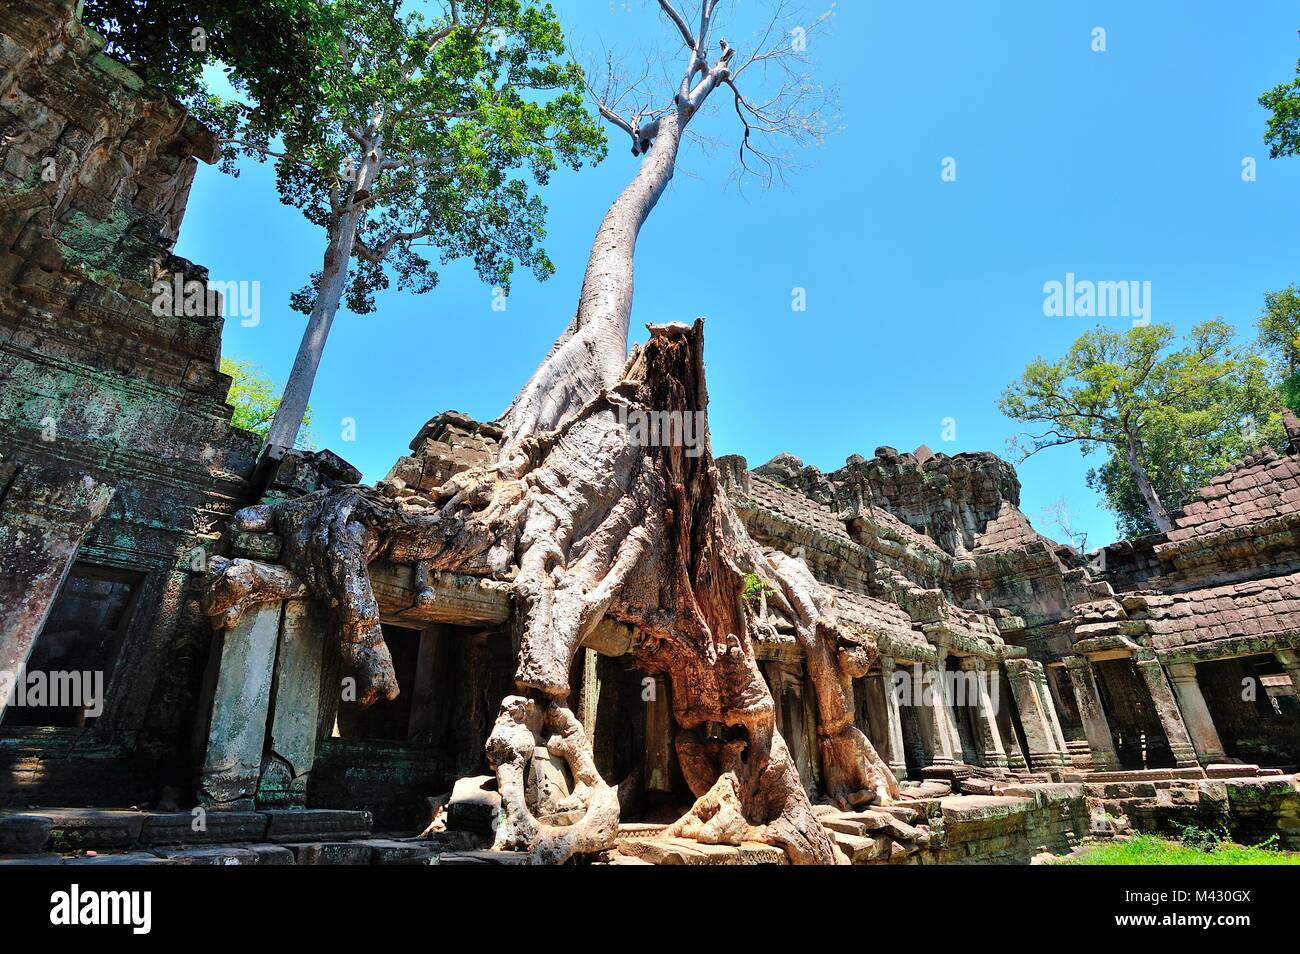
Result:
x=294 y=707
x=928 y=694
x=894 y=752
x=46 y=515
x=1171 y=719
x=993 y=755
x=1290 y=660
x=236 y=736
x=1040 y=677
x=425 y=687
x=1044 y=752
x=1095 y=726
x=1016 y=759
x=912 y=713
x=1196 y=714
x=589 y=698
x=947 y=705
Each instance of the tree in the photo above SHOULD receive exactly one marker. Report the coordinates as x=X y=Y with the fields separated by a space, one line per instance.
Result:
x=589 y=355
x=1282 y=133
x=252 y=395
x=591 y=523
x=1183 y=452
x=1169 y=417
x=269 y=49
x=1279 y=337
x=422 y=134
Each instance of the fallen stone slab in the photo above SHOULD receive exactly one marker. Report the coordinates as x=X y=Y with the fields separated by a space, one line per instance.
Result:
x=211 y=855
x=1113 y=790
x=23 y=834
x=931 y=788
x=118 y=858
x=1226 y=770
x=93 y=828
x=1145 y=775
x=759 y=853
x=272 y=854
x=316 y=824
x=845 y=825
x=30 y=859
x=663 y=851
x=475 y=804
x=393 y=851
x=331 y=853
x=618 y=858
x=209 y=827
x=862 y=849
x=440 y=841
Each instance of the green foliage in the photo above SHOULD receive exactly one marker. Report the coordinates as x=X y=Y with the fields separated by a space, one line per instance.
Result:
x=467 y=115
x=1151 y=850
x=1279 y=329
x=1203 y=839
x=755 y=589
x=1290 y=391
x=255 y=401
x=270 y=46
x=1183 y=412
x=1282 y=134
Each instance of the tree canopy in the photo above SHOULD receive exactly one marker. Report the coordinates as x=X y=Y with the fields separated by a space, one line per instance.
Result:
x=414 y=138
x=1170 y=415
x=1279 y=338
x=270 y=49
x=1283 y=130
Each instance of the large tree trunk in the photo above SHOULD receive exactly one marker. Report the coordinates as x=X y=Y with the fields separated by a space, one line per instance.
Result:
x=591 y=352
x=600 y=526
x=597 y=525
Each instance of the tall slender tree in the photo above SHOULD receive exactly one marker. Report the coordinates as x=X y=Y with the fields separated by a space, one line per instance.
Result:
x=656 y=117
x=1167 y=416
x=425 y=134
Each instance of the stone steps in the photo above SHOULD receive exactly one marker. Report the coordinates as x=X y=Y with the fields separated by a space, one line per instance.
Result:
x=374 y=851
x=105 y=829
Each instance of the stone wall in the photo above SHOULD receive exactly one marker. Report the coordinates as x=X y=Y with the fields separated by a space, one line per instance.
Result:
x=992 y=829
x=97 y=385
x=1252 y=810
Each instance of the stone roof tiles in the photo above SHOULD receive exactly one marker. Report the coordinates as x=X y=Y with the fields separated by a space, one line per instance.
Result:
x=1255 y=608
x=1262 y=486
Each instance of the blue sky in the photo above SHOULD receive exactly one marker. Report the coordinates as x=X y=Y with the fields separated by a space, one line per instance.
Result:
x=924 y=297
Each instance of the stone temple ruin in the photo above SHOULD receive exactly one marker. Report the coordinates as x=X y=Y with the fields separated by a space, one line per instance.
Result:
x=1024 y=696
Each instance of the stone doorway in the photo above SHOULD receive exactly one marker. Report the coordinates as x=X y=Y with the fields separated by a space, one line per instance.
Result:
x=1135 y=727
x=80 y=643
x=1249 y=707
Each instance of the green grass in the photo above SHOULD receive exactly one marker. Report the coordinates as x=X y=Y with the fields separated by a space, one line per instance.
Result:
x=1150 y=850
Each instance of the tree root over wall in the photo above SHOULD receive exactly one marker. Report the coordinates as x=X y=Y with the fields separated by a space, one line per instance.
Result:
x=599 y=526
